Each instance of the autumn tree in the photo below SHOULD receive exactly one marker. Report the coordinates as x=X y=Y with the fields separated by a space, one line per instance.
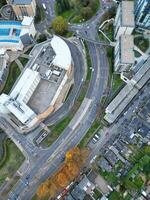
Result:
x=68 y=172
x=60 y=25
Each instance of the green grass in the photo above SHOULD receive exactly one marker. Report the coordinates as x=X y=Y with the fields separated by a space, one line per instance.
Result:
x=2 y=3
x=41 y=38
x=115 y=196
x=142 y=43
x=110 y=177
x=12 y=162
x=23 y=61
x=133 y=179
x=110 y=55
x=74 y=15
x=117 y=82
x=40 y=14
x=137 y=54
x=89 y=134
x=97 y=194
x=14 y=72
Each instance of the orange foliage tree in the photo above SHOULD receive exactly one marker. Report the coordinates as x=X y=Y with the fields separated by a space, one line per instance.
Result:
x=70 y=169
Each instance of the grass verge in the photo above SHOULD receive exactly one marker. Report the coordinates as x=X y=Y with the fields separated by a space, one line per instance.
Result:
x=14 y=72
x=13 y=160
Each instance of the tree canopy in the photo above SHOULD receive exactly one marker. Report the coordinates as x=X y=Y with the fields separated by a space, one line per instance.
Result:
x=60 y=25
x=69 y=170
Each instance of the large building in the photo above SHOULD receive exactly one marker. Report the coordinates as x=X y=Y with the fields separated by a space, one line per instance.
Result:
x=42 y=86
x=119 y=103
x=124 y=53
x=142 y=14
x=14 y=35
x=124 y=20
x=23 y=8
x=3 y=64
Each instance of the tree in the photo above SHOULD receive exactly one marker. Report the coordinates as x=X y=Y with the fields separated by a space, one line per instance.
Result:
x=68 y=172
x=60 y=25
x=86 y=12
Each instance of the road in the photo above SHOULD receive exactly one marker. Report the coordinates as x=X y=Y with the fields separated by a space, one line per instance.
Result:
x=76 y=130
x=47 y=161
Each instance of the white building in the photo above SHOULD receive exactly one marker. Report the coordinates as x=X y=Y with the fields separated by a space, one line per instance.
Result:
x=26 y=85
x=119 y=103
x=15 y=104
x=51 y=71
x=124 y=53
x=14 y=35
x=124 y=20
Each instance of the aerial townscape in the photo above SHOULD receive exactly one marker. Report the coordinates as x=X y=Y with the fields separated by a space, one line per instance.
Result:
x=74 y=99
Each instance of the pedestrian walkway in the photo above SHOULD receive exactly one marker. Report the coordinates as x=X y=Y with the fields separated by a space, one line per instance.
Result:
x=19 y=64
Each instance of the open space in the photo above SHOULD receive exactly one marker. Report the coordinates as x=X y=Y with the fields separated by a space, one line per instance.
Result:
x=14 y=158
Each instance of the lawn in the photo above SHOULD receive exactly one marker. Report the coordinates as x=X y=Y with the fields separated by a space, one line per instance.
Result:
x=89 y=134
x=137 y=175
x=13 y=160
x=2 y=3
x=97 y=194
x=73 y=15
x=115 y=196
x=109 y=31
x=116 y=82
x=40 y=14
x=14 y=72
x=142 y=43
x=110 y=177
x=23 y=61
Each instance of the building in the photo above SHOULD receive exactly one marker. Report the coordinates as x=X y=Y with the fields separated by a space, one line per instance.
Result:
x=124 y=53
x=15 y=35
x=42 y=86
x=23 y=8
x=15 y=104
x=124 y=20
x=3 y=64
x=124 y=97
x=142 y=14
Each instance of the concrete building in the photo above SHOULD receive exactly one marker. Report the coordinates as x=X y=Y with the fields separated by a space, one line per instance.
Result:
x=15 y=104
x=124 y=53
x=142 y=14
x=119 y=103
x=15 y=35
x=124 y=20
x=41 y=87
x=3 y=64
x=23 y=8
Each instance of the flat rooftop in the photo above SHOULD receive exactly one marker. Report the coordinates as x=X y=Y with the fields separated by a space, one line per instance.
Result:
x=127 y=49
x=127 y=9
x=21 y=2
x=52 y=71
x=118 y=104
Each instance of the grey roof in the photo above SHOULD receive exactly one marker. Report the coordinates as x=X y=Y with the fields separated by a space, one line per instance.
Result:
x=22 y=2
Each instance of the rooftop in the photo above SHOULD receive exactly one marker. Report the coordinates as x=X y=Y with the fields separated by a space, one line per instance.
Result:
x=21 y=2
x=127 y=49
x=127 y=9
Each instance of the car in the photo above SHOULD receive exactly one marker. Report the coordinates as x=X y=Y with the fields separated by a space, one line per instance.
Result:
x=96 y=136
x=94 y=140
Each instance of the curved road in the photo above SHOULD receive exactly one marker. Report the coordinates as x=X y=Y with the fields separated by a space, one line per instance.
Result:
x=83 y=119
x=52 y=157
